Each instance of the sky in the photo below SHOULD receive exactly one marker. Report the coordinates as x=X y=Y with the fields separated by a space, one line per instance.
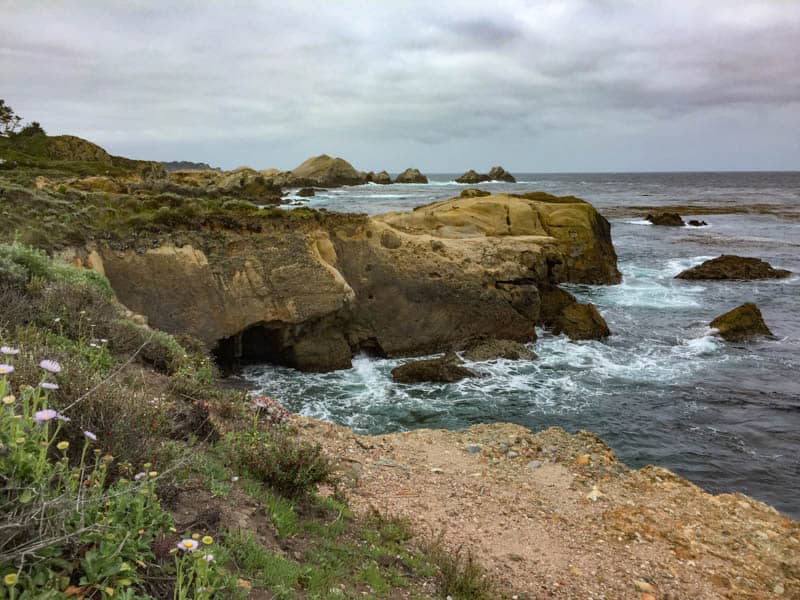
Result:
x=445 y=86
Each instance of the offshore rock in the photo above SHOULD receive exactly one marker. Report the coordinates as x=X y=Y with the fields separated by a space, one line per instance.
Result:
x=447 y=369
x=326 y=171
x=382 y=178
x=411 y=176
x=734 y=267
x=311 y=289
x=581 y=322
x=484 y=350
x=495 y=174
x=666 y=219
x=741 y=324
x=306 y=192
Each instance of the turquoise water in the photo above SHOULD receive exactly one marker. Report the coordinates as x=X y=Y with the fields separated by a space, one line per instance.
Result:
x=662 y=389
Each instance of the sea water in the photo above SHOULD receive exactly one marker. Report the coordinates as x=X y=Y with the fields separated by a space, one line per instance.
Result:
x=662 y=389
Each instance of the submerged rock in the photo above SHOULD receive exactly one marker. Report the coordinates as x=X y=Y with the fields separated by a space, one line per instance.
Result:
x=734 y=267
x=581 y=322
x=742 y=323
x=305 y=192
x=446 y=369
x=411 y=176
x=696 y=223
x=484 y=350
x=666 y=219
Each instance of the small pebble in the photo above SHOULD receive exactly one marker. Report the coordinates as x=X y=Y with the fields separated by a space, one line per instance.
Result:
x=512 y=454
x=473 y=449
x=534 y=464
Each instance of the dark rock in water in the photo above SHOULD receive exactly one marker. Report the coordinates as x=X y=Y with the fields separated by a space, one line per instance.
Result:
x=471 y=177
x=495 y=174
x=382 y=178
x=474 y=193
x=500 y=174
x=305 y=192
x=411 y=176
x=581 y=322
x=494 y=349
x=446 y=369
x=696 y=223
x=666 y=219
x=742 y=323
x=734 y=267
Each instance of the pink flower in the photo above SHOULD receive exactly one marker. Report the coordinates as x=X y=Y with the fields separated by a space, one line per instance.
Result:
x=90 y=436
x=49 y=386
x=8 y=350
x=138 y=476
x=51 y=366
x=48 y=414
x=187 y=545
x=6 y=369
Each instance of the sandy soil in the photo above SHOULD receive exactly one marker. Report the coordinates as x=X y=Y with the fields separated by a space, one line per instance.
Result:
x=554 y=515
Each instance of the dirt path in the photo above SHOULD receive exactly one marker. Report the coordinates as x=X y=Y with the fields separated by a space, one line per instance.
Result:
x=554 y=515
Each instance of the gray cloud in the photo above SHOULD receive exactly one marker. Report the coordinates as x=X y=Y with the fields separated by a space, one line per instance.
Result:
x=535 y=85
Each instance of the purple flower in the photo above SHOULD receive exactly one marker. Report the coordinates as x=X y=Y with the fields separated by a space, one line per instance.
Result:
x=187 y=545
x=49 y=386
x=41 y=416
x=90 y=436
x=6 y=369
x=8 y=350
x=138 y=476
x=51 y=366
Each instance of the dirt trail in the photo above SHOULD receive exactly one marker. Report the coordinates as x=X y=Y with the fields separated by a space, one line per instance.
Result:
x=554 y=515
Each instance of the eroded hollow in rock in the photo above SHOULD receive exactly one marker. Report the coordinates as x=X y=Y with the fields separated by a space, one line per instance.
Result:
x=260 y=343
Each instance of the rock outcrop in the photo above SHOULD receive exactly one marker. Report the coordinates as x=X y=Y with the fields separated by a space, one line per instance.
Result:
x=734 y=267
x=382 y=178
x=474 y=193
x=411 y=176
x=326 y=171
x=495 y=174
x=311 y=292
x=581 y=322
x=665 y=219
x=447 y=369
x=306 y=192
x=741 y=324
x=484 y=350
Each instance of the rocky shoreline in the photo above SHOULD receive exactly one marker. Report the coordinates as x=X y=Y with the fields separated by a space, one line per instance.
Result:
x=556 y=515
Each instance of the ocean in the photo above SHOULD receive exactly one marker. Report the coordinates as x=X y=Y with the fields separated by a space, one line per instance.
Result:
x=662 y=389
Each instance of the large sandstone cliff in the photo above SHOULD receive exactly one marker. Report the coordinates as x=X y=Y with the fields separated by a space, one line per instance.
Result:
x=312 y=293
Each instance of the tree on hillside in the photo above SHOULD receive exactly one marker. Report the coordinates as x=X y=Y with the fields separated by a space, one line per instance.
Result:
x=32 y=128
x=9 y=122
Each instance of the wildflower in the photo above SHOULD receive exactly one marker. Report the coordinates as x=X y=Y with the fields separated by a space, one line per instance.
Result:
x=208 y=557
x=62 y=445
x=8 y=350
x=41 y=416
x=207 y=539
x=90 y=436
x=152 y=474
x=49 y=386
x=6 y=369
x=8 y=400
x=93 y=345
x=103 y=341
x=63 y=418
x=195 y=536
x=187 y=545
x=138 y=476
x=108 y=458
x=10 y=579
x=50 y=366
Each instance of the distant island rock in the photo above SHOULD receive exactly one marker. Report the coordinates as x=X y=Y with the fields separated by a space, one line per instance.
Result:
x=382 y=178
x=327 y=171
x=665 y=219
x=185 y=165
x=411 y=176
x=494 y=174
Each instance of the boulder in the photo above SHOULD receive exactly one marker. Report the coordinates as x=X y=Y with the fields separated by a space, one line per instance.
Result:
x=446 y=369
x=306 y=192
x=471 y=177
x=696 y=223
x=411 y=176
x=553 y=302
x=484 y=350
x=326 y=171
x=667 y=219
x=474 y=193
x=500 y=174
x=382 y=178
x=581 y=322
x=742 y=323
x=734 y=267
x=248 y=183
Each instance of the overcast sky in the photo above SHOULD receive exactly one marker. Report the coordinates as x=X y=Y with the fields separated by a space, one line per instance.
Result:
x=573 y=85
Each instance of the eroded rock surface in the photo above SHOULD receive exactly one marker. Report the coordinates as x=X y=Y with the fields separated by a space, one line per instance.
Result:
x=484 y=350
x=311 y=292
x=446 y=369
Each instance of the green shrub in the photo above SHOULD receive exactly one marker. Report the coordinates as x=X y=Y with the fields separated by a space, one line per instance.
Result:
x=276 y=457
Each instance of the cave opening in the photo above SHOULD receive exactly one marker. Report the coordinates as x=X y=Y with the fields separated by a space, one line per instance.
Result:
x=256 y=344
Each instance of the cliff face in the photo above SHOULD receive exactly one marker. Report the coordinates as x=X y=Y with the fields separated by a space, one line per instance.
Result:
x=401 y=284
